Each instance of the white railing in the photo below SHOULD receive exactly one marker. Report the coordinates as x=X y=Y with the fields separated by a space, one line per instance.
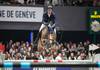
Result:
x=51 y=61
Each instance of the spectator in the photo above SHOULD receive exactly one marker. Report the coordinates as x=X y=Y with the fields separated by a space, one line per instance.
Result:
x=54 y=2
x=25 y=2
x=72 y=56
x=47 y=2
x=82 y=56
x=2 y=47
x=59 y=57
x=64 y=56
x=86 y=47
x=80 y=47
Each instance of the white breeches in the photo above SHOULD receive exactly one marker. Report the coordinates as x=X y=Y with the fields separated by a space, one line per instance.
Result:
x=42 y=26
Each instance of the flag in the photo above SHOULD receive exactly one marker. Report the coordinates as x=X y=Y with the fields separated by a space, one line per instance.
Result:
x=93 y=47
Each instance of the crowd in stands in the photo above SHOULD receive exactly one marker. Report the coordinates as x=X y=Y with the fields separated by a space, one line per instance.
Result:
x=65 y=51
x=53 y=2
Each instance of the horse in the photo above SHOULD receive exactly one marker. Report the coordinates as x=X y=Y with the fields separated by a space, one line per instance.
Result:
x=45 y=35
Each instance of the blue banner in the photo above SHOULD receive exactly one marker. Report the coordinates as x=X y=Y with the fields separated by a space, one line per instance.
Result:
x=44 y=68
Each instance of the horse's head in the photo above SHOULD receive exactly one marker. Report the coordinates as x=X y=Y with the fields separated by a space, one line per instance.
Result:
x=44 y=32
x=52 y=36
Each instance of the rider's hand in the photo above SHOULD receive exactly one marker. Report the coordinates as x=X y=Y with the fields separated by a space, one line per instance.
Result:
x=45 y=23
x=53 y=26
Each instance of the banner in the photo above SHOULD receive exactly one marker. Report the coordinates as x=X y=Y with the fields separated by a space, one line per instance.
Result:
x=44 y=68
x=51 y=68
x=94 y=21
x=21 y=14
x=40 y=68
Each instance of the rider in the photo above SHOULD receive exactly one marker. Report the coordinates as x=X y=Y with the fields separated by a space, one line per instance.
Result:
x=48 y=20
